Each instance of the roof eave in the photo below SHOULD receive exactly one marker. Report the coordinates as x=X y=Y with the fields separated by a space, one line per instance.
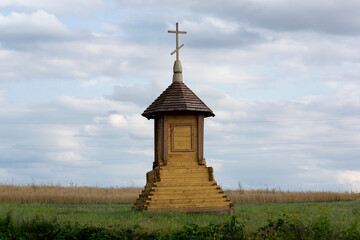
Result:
x=152 y=115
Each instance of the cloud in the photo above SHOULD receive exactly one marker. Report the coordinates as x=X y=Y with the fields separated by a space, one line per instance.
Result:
x=264 y=142
x=281 y=15
x=40 y=26
x=92 y=59
x=303 y=141
x=212 y=32
x=141 y=94
x=58 y=7
x=73 y=139
x=275 y=15
x=351 y=178
x=238 y=52
x=282 y=79
x=322 y=16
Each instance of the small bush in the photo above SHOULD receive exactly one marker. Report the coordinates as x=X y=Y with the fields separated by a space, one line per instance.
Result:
x=291 y=227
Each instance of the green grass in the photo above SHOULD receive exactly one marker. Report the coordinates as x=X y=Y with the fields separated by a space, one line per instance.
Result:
x=253 y=215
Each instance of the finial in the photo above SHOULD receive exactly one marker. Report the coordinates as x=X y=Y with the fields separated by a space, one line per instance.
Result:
x=177 y=77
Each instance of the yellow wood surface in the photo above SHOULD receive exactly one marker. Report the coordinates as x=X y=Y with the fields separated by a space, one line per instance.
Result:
x=182 y=137
x=176 y=158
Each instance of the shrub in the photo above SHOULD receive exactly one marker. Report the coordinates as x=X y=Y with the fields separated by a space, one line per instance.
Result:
x=287 y=226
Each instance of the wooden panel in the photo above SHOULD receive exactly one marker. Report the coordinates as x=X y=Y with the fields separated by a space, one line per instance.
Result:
x=182 y=137
x=161 y=128
x=165 y=138
x=159 y=141
x=183 y=158
x=200 y=137
x=156 y=139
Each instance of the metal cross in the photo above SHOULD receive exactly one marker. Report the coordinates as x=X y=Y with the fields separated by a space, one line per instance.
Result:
x=177 y=41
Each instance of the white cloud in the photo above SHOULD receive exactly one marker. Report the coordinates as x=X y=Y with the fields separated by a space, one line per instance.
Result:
x=208 y=25
x=117 y=120
x=87 y=60
x=81 y=136
x=297 y=140
x=350 y=178
x=141 y=94
x=97 y=81
x=320 y=15
x=59 y=7
x=278 y=15
x=39 y=26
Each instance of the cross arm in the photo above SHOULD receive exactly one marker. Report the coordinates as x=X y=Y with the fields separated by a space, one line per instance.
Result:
x=177 y=49
x=170 y=31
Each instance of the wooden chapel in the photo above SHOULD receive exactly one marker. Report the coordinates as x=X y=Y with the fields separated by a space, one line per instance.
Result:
x=180 y=180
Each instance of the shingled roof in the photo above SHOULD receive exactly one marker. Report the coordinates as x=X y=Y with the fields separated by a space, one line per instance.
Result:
x=177 y=97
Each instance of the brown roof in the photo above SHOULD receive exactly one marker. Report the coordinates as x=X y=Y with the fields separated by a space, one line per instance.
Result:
x=177 y=97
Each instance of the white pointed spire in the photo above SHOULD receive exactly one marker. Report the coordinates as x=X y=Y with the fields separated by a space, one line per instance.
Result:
x=177 y=77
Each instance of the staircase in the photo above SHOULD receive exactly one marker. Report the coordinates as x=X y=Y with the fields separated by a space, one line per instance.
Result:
x=182 y=187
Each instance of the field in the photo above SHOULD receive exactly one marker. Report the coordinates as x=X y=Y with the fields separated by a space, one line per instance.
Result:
x=254 y=214
x=258 y=214
x=58 y=194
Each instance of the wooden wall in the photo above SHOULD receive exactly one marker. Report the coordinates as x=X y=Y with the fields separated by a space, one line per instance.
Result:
x=178 y=137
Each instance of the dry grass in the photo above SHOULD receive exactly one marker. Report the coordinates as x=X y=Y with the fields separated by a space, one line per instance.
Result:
x=58 y=194
x=262 y=196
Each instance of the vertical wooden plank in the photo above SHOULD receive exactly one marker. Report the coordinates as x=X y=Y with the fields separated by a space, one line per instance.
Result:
x=192 y=137
x=200 y=137
x=165 y=138
x=156 y=139
x=161 y=126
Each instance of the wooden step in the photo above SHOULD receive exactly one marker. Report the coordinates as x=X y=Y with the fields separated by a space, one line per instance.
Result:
x=187 y=191
x=185 y=188
x=183 y=170
x=190 y=174
x=191 y=209
x=184 y=179
x=153 y=205
x=187 y=201
x=212 y=195
x=183 y=164
x=185 y=167
x=184 y=184
x=187 y=175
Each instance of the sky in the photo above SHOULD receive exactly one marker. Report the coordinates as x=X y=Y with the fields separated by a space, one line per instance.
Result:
x=282 y=77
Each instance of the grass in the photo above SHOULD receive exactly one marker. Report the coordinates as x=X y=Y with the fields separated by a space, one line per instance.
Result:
x=29 y=212
x=63 y=195
x=59 y=194
x=108 y=209
x=278 y=196
x=255 y=215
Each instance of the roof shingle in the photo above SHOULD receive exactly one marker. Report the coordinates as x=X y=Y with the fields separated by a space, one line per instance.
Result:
x=177 y=97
